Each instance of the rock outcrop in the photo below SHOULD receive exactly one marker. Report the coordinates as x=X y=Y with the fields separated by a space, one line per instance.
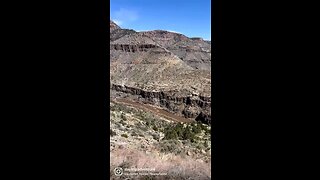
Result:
x=113 y=26
x=193 y=106
x=132 y=48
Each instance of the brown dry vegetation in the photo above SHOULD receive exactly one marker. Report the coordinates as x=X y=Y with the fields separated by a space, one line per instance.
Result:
x=148 y=146
x=176 y=167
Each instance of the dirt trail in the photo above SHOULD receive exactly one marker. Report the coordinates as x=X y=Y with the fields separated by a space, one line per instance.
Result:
x=157 y=111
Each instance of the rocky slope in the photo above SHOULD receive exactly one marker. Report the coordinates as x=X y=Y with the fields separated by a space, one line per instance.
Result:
x=194 y=51
x=162 y=68
x=139 y=139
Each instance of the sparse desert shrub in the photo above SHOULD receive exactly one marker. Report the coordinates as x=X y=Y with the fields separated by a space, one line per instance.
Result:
x=185 y=142
x=122 y=122
x=166 y=148
x=170 y=134
x=112 y=133
x=128 y=109
x=179 y=129
x=200 y=146
x=194 y=140
x=125 y=164
x=155 y=128
x=134 y=134
x=143 y=128
x=113 y=108
x=147 y=177
x=170 y=146
x=156 y=136
x=124 y=135
x=207 y=131
x=121 y=128
x=150 y=122
x=187 y=134
x=196 y=128
x=205 y=144
x=123 y=117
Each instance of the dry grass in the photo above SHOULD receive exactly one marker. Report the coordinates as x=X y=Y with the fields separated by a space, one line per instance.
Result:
x=174 y=166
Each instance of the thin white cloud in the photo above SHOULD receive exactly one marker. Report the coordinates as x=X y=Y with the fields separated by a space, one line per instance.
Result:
x=163 y=30
x=124 y=15
x=174 y=31
x=143 y=30
x=119 y=23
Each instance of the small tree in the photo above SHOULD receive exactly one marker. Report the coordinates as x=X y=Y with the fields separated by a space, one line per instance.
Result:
x=170 y=134
x=179 y=129
x=188 y=134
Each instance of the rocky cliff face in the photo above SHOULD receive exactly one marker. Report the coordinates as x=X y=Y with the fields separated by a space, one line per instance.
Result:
x=113 y=26
x=132 y=48
x=193 y=106
x=163 y=68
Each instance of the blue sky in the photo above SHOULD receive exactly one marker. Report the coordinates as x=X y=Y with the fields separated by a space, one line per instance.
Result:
x=189 y=17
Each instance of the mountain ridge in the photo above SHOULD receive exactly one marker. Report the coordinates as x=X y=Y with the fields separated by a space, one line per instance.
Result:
x=113 y=25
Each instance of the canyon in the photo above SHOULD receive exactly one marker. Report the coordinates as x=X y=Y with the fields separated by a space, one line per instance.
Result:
x=161 y=68
x=160 y=108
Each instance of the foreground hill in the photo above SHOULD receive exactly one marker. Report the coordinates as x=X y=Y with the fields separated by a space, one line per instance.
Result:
x=144 y=139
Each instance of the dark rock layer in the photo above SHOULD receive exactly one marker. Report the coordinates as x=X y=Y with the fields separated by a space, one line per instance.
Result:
x=195 y=107
x=132 y=48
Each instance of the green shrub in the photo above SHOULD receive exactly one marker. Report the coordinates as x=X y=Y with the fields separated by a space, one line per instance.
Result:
x=170 y=134
x=196 y=129
x=124 y=135
x=179 y=129
x=155 y=128
x=188 y=134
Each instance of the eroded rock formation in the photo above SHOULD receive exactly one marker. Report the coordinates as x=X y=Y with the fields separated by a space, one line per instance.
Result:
x=196 y=107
